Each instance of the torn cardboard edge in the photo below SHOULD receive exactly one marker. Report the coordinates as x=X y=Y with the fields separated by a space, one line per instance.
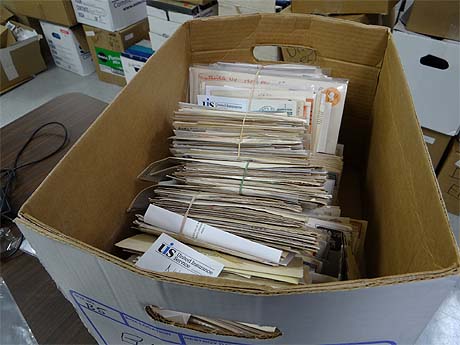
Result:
x=222 y=284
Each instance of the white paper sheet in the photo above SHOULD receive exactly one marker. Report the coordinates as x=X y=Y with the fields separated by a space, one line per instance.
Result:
x=169 y=255
x=171 y=221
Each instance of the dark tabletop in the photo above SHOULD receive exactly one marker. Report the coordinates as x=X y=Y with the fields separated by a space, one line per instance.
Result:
x=49 y=315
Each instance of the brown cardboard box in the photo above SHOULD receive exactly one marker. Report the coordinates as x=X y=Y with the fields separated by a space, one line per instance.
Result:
x=436 y=143
x=106 y=48
x=19 y=60
x=343 y=6
x=4 y=15
x=449 y=179
x=77 y=214
x=56 y=11
x=435 y=18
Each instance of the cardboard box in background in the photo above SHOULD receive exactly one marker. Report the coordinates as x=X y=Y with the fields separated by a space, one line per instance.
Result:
x=56 y=11
x=179 y=12
x=412 y=259
x=106 y=48
x=69 y=48
x=432 y=68
x=165 y=17
x=343 y=6
x=156 y=40
x=449 y=179
x=437 y=144
x=135 y=57
x=438 y=18
x=19 y=61
x=5 y=14
x=110 y=15
x=35 y=24
x=236 y=7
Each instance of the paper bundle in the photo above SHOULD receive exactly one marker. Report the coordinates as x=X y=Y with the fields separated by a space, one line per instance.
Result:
x=255 y=156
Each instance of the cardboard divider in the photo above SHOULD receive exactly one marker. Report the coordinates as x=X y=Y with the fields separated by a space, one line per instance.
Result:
x=86 y=196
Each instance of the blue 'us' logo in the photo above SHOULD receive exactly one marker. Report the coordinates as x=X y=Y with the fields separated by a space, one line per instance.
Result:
x=167 y=249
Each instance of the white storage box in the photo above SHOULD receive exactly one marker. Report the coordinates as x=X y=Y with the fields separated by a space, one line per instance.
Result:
x=111 y=15
x=69 y=48
x=433 y=73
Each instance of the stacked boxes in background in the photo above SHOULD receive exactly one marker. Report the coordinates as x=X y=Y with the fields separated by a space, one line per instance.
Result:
x=427 y=38
x=165 y=17
x=111 y=26
x=63 y=35
x=107 y=47
x=110 y=15
x=69 y=48
x=56 y=11
x=20 y=57
x=135 y=57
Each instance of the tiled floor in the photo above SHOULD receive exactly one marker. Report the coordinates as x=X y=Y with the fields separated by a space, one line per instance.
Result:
x=47 y=85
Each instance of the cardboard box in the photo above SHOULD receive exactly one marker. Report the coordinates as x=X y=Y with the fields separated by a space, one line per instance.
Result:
x=106 y=48
x=56 y=11
x=432 y=68
x=179 y=12
x=68 y=48
x=135 y=57
x=79 y=212
x=19 y=61
x=5 y=15
x=110 y=15
x=359 y=18
x=237 y=7
x=449 y=179
x=436 y=143
x=156 y=40
x=343 y=6
x=435 y=18
x=162 y=27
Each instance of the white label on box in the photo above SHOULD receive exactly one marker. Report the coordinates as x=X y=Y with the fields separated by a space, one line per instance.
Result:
x=90 y=33
x=129 y=36
x=429 y=140
x=169 y=255
x=457 y=163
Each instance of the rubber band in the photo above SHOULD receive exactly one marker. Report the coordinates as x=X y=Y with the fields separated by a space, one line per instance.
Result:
x=184 y=219
x=245 y=172
x=251 y=96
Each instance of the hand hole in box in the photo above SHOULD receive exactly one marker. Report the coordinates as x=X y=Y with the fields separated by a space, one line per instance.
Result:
x=434 y=62
x=212 y=326
x=277 y=53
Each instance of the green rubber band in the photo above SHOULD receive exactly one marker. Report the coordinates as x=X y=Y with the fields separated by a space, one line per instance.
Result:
x=245 y=172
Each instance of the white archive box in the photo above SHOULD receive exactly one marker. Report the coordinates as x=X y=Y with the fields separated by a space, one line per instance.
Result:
x=111 y=15
x=411 y=257
x=156 y=40
x=69 y=48
x=432 y=68
x=162 y=27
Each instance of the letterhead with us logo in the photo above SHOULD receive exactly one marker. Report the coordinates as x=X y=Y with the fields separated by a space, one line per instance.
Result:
x=169 y=255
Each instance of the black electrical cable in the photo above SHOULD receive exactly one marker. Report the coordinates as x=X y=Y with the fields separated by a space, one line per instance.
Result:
x=8 y=175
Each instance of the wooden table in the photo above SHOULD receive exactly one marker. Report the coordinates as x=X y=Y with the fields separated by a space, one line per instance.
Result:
x=50 y=316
